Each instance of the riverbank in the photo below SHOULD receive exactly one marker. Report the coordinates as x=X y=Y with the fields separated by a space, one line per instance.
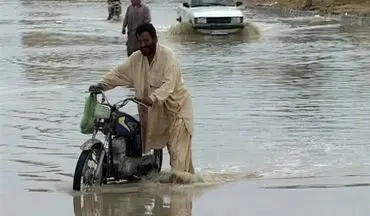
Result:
x=321 y=7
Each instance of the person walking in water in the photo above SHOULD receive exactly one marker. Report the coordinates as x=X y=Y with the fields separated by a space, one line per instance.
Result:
x=110 y=7
x=136 y=14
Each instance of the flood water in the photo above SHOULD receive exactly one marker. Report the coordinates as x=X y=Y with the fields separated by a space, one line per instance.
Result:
x=287 y=110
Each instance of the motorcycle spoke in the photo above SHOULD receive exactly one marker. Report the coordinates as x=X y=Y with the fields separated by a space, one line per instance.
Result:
x=89 y=180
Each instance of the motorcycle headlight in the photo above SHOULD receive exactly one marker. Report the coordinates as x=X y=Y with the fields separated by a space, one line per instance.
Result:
x=200 y=20
x=237 y=20
x=102 y=111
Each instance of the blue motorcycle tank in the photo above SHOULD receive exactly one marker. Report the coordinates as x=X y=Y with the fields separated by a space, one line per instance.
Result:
x=126 y=125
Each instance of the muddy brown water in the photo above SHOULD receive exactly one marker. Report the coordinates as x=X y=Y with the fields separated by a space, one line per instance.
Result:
x=288 y=109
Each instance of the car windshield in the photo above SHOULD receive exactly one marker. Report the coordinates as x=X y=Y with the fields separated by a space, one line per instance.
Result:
x=198 y=3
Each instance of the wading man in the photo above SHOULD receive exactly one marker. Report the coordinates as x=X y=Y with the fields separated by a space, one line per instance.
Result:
x=136 y=14
x=110 y=7
x=154 y=72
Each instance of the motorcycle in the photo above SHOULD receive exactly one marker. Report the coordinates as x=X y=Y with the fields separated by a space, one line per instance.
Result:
x=115 y=10
x=120 y=156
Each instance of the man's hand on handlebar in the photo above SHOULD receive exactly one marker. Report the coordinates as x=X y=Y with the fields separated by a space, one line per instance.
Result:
x=146 y=101
x=96 y=88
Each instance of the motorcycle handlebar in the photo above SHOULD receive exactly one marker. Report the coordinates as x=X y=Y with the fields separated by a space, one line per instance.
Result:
x=120 y=103
x=133 y=99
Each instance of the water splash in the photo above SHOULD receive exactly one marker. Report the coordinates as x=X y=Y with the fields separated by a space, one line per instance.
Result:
x=182 y=29
x=177 y=181
x=185 y=30
x=202 y=178
x=251 y=30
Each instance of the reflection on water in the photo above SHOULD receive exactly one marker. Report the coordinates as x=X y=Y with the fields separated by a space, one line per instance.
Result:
x=152 y=196
x=164 y=201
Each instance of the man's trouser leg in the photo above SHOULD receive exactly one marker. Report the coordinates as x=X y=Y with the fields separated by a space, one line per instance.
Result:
x=129 y=52
x=131 y=44
x=179 y=147
x=110 y=12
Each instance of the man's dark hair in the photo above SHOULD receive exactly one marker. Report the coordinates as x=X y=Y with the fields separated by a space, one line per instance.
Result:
x=146 y=27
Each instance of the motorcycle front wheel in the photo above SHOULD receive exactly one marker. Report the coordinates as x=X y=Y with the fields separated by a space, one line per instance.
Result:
x=84 y=176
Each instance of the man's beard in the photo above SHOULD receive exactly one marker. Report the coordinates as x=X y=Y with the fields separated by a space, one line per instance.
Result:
x=147 y=50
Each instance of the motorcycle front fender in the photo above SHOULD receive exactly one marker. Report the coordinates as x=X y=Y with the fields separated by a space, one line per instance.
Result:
x=88 y=144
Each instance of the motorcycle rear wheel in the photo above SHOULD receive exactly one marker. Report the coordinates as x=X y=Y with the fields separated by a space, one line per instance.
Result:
x=84 y=176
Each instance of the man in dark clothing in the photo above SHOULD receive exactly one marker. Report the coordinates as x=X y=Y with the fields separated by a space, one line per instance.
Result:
x=136 y=14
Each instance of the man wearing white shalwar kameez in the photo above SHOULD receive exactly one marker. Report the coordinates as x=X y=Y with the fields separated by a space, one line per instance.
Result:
x=154 y=72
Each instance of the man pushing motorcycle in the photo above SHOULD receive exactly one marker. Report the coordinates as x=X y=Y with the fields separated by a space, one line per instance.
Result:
x=155 y=74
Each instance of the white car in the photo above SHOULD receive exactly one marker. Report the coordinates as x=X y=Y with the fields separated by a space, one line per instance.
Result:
x=212 y=16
